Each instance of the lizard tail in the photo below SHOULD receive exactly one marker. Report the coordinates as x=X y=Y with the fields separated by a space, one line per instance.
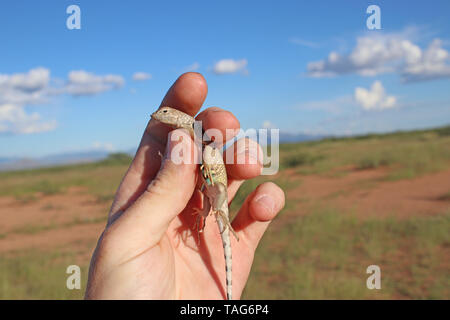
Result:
x=225 y=234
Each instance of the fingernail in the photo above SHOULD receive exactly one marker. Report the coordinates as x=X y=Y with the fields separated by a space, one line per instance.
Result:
x=266 y=201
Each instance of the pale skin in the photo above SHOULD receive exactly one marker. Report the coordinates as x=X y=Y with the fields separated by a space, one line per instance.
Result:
x=148 y=249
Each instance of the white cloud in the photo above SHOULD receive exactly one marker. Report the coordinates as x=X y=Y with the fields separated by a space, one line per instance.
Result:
x=82 y=83
x=34 y=79
x=430 y=64
x=18 y=90
x=24 y=88
x=141 y=76
x=375 y=98
x=192 y=67
x=383 y=53
x=418 y=115
x=230 y=66
x=14 y=119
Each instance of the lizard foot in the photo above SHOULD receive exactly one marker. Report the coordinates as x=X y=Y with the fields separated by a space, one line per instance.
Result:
x=200 y=223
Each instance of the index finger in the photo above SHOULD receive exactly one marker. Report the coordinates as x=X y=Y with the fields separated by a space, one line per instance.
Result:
x=186 y=94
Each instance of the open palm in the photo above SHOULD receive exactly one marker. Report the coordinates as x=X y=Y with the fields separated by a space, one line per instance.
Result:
x=149 y=249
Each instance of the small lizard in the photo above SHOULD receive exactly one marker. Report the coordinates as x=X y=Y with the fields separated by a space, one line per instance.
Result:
x=214 y=176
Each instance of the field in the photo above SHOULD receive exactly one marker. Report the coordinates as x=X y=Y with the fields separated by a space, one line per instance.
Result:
x=351 y=203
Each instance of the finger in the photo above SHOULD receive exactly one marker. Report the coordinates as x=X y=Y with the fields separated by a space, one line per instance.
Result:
x=233 y=187
x=240 y=170
x=145 y=222
x=243 y=159
x=219 y=124
x=186 y=94
x=258 y=210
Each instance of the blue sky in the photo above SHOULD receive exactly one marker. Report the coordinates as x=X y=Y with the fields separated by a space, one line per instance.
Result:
x=302 y=67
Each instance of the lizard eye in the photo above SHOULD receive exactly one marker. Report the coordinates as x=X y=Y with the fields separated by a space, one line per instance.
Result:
x=165 y=111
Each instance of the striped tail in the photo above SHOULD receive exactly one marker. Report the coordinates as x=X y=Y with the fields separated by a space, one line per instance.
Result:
x=225 y=234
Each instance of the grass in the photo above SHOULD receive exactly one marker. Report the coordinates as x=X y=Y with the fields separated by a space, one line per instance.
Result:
x=331 y=251
x=99 y=179
x=302 y=159
x=323 y=254
x=406 y=155
x=38 y=275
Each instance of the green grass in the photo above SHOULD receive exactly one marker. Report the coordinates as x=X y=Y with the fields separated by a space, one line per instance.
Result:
x=320 y=255
x=302 y=158
x=407 y=155
x=324 y=255
x=99 y=179
x=38 y=275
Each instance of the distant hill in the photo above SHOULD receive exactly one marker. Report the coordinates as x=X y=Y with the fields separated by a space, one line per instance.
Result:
x=15 y=163
x=286 y=137
x=51 y=160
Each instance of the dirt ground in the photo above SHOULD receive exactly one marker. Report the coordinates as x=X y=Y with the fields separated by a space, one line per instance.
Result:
x=74 y=220
x=69 y=221
x=367 y=193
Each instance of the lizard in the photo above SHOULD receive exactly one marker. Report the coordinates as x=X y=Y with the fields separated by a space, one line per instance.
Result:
x=215 y=182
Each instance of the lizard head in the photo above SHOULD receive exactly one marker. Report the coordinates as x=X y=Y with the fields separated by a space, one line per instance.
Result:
x=174 y=118
x=166 y=115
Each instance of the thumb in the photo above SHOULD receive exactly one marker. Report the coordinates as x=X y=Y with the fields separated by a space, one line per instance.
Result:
x=145 y=222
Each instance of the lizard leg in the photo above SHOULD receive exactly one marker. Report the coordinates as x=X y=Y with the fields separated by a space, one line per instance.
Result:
x=207 y=173
x=226 y=223
x=220 y=206
x=202 y=214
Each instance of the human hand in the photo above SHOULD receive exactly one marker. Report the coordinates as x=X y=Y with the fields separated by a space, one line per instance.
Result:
x=148 y=249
